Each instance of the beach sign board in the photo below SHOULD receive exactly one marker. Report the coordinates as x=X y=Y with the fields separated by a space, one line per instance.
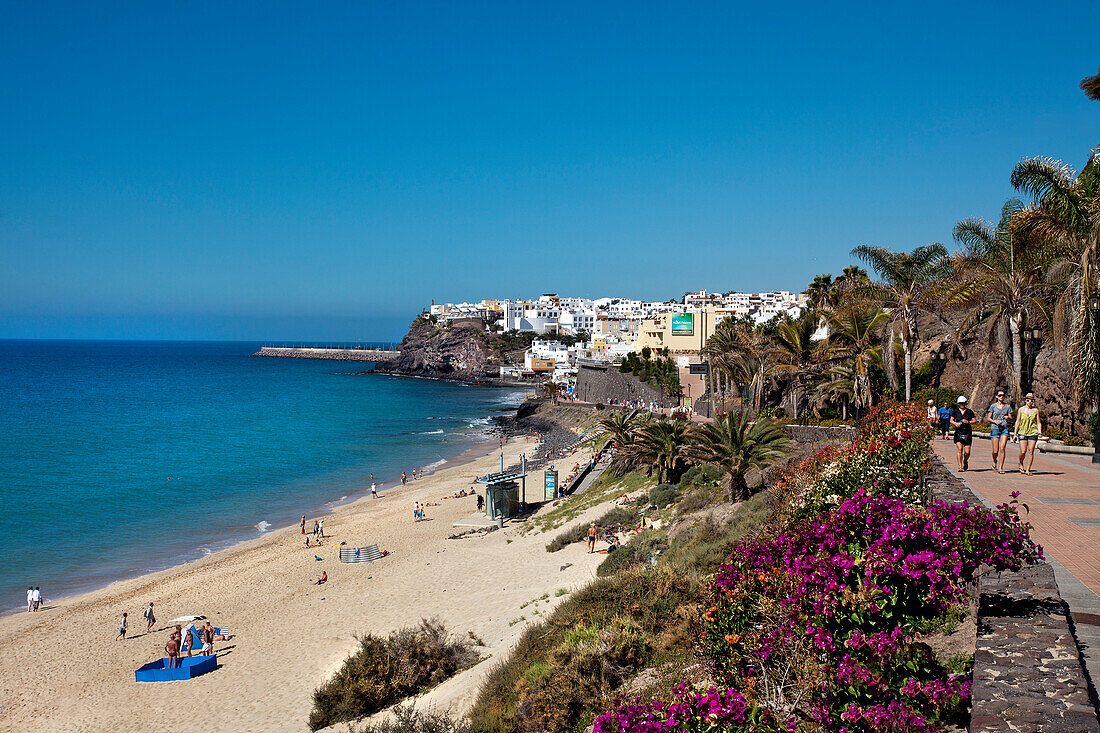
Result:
x=551 y=485
x=683 y=324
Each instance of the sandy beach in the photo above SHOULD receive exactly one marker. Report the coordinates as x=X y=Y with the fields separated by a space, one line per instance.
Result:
x=63 y=670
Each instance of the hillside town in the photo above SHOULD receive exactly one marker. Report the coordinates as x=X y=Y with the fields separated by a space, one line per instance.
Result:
x=571 y=331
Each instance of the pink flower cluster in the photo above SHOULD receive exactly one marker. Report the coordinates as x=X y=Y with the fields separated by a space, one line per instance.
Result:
x=713 y=709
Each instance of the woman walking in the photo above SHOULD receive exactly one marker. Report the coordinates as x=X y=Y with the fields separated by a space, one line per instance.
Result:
x=1029 y=427
x=963 y=419
x=998 y=416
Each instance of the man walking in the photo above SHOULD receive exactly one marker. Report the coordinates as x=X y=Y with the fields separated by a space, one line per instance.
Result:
x=122 y=626
x=150 y=619
x=30 y=598
x=37 y=598
x=963 y=419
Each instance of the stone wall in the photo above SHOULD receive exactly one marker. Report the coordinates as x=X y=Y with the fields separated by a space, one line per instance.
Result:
x=1028 y=675
x=818 y=433
x=599 y=384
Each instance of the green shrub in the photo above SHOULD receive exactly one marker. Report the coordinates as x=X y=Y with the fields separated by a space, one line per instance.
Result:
x=617 y=517
x=701 y=475
x=662 y=495
x=941 y=395
x=407 y=719
x=384 y=671
x=661 y=603
x=643 y=548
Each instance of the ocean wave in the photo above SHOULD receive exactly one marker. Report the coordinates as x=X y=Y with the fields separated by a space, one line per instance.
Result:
x=432 y=432
x=435 y=464
x=262 y=526
x=205 y=551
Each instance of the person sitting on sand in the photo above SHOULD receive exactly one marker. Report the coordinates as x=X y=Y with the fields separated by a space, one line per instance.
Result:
x=324 y=578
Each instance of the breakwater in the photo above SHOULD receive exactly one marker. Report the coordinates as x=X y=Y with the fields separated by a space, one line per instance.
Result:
x=377 y=356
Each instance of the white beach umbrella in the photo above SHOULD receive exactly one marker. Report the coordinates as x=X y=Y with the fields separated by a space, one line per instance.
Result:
x=187 y=619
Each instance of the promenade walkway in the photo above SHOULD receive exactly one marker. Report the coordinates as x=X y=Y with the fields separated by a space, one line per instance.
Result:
x=1063 y=495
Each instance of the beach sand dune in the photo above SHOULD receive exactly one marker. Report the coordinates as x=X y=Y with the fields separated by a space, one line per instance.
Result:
x=62 y=670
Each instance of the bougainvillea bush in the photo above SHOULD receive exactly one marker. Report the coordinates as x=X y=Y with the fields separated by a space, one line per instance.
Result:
x=817 y=623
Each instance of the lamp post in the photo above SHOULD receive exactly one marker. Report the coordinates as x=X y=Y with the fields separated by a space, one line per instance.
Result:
x=939 y=363
x=1033 y=339
x=1094 y=310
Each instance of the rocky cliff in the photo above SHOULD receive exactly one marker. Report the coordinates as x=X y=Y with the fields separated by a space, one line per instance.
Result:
x=455 y=351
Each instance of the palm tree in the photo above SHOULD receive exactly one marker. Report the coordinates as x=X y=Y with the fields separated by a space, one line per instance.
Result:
x=661 y=447
x=1065 y=217
x=736 y=445
x=853 y=344
x=794 y=352
x=907 y=287
x=621 y=426
x=1002 y=277
x=1090 y=85
x=821 y=292
x=837 y=385
x=738 y=353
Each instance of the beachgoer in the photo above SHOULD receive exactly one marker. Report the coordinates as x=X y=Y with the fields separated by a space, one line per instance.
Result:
x=416 y=511
x=321 y=527
x=37 y=598
x=945 y=420
x=30 y=598
x=149 y=617
x=592 y=538
x=187 y=641
x=963 y=419
x=1029 y=426
x=373 y=490
x=172 y=649
x=480 y=503
x=122 y=626
x=998 y=415
x=315 y=529
x=307 y=541
x=303 y=524
x=404 y=478
x=372 y=479
x=207 y=639
x=323 y=579
x=932 y=415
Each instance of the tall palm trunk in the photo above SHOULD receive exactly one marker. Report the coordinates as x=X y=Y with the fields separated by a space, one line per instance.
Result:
x=890 y=363
x=1017 y=360
x=906 y=345
x=738 y=487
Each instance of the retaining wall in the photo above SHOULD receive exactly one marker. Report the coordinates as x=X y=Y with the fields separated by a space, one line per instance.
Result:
x=599 y=384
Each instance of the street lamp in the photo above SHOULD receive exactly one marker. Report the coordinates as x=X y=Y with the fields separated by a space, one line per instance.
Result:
x=1094 y=309
x=1033 y=339
x=939 y=363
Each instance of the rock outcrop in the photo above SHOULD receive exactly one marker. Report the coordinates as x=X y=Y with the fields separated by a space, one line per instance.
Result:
x=455 y=351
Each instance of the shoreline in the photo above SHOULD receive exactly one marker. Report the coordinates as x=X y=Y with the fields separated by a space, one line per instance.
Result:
x=289 y=635
x=467 y=455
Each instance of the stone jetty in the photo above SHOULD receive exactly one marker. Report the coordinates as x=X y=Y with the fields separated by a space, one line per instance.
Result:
x=377 y=356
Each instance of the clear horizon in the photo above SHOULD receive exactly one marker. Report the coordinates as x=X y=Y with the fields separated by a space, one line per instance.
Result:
x=235 y=172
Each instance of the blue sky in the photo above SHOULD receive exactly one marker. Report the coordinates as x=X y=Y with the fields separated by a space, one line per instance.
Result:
x=307 y=171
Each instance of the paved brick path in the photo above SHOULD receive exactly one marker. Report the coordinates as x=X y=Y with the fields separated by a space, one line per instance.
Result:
x=1063 y=494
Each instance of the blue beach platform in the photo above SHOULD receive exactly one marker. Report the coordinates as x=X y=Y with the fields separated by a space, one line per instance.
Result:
x=189 y=667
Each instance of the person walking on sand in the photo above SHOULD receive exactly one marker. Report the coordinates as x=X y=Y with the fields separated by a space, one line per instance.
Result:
x=1029 y=426
x=404 y=478
x=122 y=626
x=149 y=617
x=321 y=527
x=963 y=419
x=998 y=415
x=303 y=524
x=373 y=489
x=36 y=599
x=30 y=598
x=591 y=538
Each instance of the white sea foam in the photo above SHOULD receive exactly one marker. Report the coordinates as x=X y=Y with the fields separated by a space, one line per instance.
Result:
x=433 y=432
x=205 y=551
x=435 y=464
x=262 y=526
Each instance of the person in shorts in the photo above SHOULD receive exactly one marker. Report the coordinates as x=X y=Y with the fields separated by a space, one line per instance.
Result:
x=931 y=415
x=1029 y=427
x=122 y=626
x=945 y=420
x=999 y=416
x=963 y=419
x=149 y=617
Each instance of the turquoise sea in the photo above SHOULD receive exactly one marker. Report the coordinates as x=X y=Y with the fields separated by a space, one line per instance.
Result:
x=120 y=458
